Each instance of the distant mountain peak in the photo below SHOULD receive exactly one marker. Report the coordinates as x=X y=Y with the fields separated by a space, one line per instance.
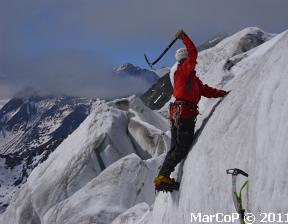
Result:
x=126 y=66
x=129 y=69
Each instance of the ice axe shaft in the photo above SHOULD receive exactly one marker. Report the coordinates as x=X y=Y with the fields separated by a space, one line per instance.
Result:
x=237 y=197
x=161 y=55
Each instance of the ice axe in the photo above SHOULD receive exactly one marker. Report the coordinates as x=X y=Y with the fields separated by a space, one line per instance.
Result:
x=237 y=197
x=163 y=53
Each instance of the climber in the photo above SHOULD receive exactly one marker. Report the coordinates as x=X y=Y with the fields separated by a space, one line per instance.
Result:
x=187 y=90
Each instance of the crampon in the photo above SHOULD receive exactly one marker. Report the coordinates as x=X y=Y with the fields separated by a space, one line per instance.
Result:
x=166 y=184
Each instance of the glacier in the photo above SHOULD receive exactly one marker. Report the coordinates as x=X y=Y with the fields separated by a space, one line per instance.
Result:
x=248 y=131
x=79 y=165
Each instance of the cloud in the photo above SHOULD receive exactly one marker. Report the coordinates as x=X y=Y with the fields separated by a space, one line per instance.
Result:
x=70 y=72
x=113 y=23
x=33 y=33
x=130 y=18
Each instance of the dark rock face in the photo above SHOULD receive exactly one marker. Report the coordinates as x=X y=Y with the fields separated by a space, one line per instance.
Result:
x=71 y=122
x=159 y=94
x=250 y=41
x=12 y=105
x=246 y=43
x=36 y=118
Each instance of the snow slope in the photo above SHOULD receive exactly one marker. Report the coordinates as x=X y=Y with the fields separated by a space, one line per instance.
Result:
x=248 y=130
x=211 y=63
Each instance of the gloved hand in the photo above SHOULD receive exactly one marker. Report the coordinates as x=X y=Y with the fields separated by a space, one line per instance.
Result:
x=223 y=92
x=180 y=34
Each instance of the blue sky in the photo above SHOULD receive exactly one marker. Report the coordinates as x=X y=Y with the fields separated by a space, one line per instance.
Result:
x=120 y=31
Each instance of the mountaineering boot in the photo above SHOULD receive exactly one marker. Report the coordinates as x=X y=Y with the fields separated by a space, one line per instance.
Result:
x=163 y=183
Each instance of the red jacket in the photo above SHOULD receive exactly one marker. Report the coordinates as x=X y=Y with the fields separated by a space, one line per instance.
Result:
x=187 y=86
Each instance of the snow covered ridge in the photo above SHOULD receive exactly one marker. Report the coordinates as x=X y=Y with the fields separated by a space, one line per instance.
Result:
x=237 y=44
x=31 y=128
x=225 y=54
x=70 y=176
x=27 y=123
x=129 y=69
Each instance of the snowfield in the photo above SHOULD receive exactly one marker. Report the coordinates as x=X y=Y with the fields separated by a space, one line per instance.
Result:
x=248 y=130
x=103 y=172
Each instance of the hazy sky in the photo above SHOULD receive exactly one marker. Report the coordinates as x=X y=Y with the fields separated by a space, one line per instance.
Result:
x=42 y=40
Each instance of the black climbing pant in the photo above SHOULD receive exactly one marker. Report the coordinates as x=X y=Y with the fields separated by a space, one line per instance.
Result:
x=181 y=141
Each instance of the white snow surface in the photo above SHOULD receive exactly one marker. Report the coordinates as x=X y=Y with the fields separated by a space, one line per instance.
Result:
x=70 y=176
x=132 y=215
x=248 y=129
